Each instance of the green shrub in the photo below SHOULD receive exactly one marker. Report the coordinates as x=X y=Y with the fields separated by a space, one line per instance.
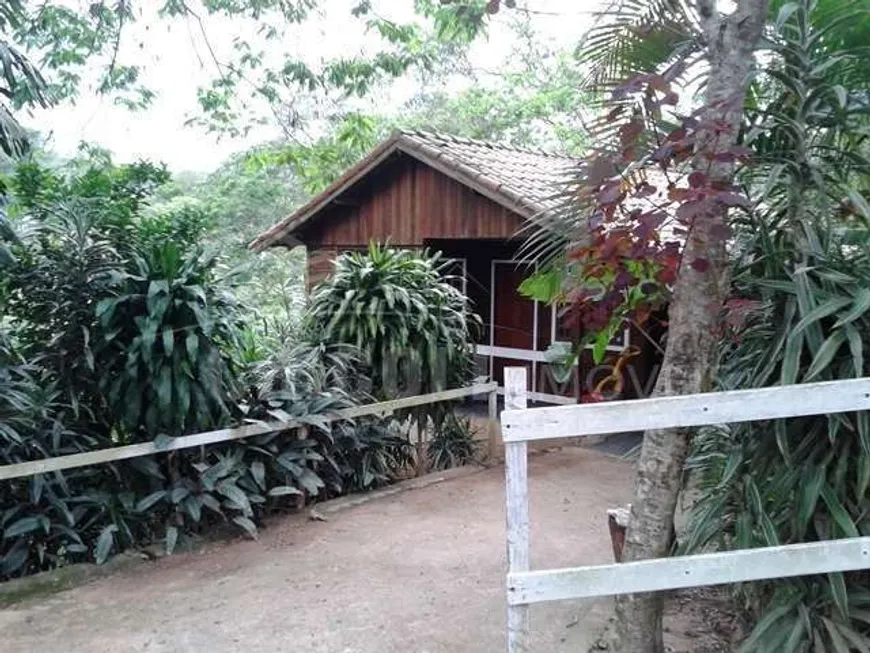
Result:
x=802 y=479
x=801 y=313
x=48 y=519
x=64 y=264
x=414 y=329
x=453 y=444
x=117 y=329
x=371 y=454
x=167 y=337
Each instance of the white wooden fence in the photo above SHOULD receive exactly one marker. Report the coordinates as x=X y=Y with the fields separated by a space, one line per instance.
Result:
x=521 y=425
x=111 y=454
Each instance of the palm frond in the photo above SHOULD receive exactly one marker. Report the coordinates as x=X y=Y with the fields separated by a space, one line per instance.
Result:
x=633 y=37
x=21 y=84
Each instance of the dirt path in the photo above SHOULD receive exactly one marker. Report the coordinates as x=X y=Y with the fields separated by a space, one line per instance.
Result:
x=417 y=572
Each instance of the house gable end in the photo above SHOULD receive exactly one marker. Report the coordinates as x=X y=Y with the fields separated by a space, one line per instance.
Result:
x=408 y=202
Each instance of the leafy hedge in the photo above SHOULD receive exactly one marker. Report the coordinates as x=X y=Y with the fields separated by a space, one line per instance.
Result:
x=802 y=479
x=414 y=331
x=118 y=328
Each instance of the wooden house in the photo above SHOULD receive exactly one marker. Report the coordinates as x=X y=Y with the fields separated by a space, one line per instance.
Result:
x=468 y=199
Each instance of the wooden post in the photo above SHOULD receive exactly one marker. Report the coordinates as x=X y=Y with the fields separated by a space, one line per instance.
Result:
x=493 y=425
x=517 y=482
x=420 y=446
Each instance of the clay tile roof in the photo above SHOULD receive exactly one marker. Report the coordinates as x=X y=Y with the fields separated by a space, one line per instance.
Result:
x=526 y=181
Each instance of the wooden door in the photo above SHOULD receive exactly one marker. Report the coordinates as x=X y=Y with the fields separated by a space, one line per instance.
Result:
x=513 y=323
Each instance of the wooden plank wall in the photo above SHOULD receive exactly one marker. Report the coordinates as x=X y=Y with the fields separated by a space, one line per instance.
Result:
x=320 y=264
x=407 y=202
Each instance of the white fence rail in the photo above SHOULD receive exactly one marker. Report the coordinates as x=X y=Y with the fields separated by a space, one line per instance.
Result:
x=112 y=454
x=521 y=425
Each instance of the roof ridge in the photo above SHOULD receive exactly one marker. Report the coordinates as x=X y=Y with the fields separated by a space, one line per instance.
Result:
x=515 y=182
x=464 y=140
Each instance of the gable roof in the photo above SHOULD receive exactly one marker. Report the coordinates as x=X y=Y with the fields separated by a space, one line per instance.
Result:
x=525 y=181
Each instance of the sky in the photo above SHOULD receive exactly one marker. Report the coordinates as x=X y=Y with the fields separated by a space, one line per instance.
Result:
x=176 y=62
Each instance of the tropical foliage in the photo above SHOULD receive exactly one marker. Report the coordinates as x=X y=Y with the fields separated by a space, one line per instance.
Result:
x=118 y=328
x=122 y=320
x=86 y=47
x=452 y=444
x=798 y=480
x=413 y=328
x=799 y=314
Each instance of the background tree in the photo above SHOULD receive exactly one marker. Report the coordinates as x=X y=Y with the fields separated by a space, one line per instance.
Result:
x=241 y=199
x=799 y=302
x=20 y=85
x=695 y=157
x=88 y=47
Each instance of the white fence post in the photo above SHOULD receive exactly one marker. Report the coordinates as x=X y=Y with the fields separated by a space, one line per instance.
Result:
x=516 y=477
x=520 y=425
x=493 y=425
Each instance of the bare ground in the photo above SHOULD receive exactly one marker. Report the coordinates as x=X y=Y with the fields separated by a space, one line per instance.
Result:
x=421 y=571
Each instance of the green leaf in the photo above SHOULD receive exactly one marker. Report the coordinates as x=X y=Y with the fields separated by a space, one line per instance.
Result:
x=157 y=306
x=840 y=645
x=149 y=337
x=786 y=11
x=856 y=347
x=236 y=495
x=839 y=593
x=791 y=359
x=105 y=543
x=171 y=539
x=247 y=524
x=825 y=355
x=859 y=203
x=164 y=391
x=168 y=342
x=191 y=343
x=808 y=497
x=821 y=311
x=283 y=490
x=22 y=526
x=15 y=559
x=838 y=512
x=211 y=503
x=856 y=639
x=258 y=471
x=795 y=636
x=158 y=287
x=145 y=504
x=863 y=481
x=310 y=481
x=106 y=309
x=860 y=305
x=193 y=507
x=321 y=422
x=543 y=286
x=181 y=387
x=763 y=626
x=807 y=300
x=178 y=494
x=599 y=348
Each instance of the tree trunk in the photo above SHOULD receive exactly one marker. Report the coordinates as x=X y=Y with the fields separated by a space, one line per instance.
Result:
x=693 y=328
